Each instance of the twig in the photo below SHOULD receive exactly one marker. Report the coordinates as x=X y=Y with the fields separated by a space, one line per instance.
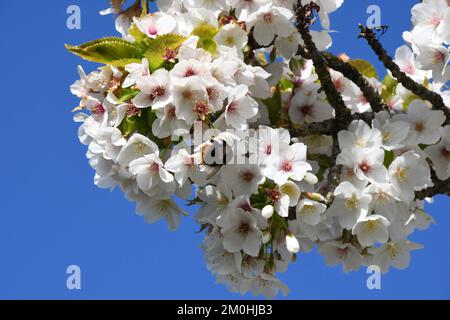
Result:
x=416 y=88
x=304 y=16
x=351 y=73
x=334 y=172
x=328 y=127
x=439 y=187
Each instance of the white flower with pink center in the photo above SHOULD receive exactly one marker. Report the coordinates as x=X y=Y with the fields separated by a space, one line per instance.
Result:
x=240 y=108
x=151 y=176
x=404 y=58
x=156 y=90
x=240 y=232
x=270 y=21
x=367 y=164
x=431 y=20
x=308 y=109
x=156 y=24
x=290 y=164
x=242 y=179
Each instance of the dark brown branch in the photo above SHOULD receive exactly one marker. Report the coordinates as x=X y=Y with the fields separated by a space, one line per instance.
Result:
x=323 y=61
x=334 y=172
x=304 y=16
x=328 y=127
x=416 y=88
x=351 y=73
x=440 y=187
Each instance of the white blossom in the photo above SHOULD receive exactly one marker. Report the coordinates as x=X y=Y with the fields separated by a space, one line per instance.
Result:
x=371 y=229
x=241 y=233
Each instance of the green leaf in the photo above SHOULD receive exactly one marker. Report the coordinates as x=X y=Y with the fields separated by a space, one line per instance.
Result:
x=144 y=5
x=126 y=94
x=389 y=87
x=388 y=158
x=286 y=85
x=409 y=99
x=133 y=124
x=206 y=34
x=365 y=67
x=273 y=55
x=113 y=51
x=156 y=48
x=296 y=64
x=138 y=35
x=274 y=106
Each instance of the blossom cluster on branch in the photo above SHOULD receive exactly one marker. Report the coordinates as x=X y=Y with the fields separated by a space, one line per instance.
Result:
x=236 y=107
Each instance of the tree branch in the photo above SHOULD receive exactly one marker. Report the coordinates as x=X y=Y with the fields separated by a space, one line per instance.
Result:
x=440 y=187
x=351 y=73
x=304 y=16
x=328 y=127
x=323 y=61
x=334 y=172
x=416 y=88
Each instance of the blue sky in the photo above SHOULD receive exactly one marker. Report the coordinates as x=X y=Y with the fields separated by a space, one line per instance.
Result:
x=52 y=215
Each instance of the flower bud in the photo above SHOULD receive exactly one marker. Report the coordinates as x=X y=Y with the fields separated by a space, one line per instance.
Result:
x=315 y=196
x=267 y=211
x=311 y=178
x=292 y=191
x=266 y=237
x=292 y=243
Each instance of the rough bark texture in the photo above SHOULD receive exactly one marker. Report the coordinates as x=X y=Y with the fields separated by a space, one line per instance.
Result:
x=416 y=88
x=322 y=62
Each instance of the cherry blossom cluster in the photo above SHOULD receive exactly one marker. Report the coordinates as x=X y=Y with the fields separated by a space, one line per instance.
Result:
x=265 y=187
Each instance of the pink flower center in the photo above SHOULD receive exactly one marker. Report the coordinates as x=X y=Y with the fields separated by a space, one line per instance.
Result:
x=410 y=69
x=436 y=22
x=154 y=168
x=232 y=107
x=286 y=166
x=439 y=57
x=190 y=72
x=152 y=30
x=244 y=228
x=246 y=207
x=201 y=108
x=275 y=194
x=419 y=127
x=171 y=112
x=132 y=110
x=268 y=18
x=159 y=91
x=212 y=94
x=338 y=84
x=170 y=54
x=247 y=176
x=98 y=109
x=306 y=110
x=364 y=166
x=445 y=153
